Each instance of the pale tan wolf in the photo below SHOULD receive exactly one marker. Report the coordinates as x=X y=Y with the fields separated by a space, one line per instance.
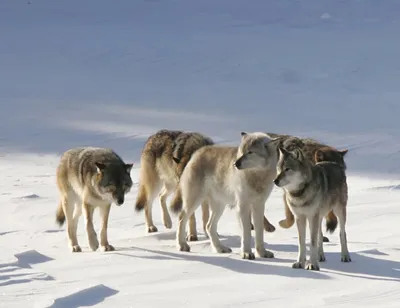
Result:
x=315 y=152
x=90 y=178
x=311 y=192
x=240 y=177
x=163 y=160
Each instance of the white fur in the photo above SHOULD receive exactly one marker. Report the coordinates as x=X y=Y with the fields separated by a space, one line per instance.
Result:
x=228 y=185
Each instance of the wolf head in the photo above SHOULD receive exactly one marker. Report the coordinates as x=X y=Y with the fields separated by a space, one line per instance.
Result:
x=114 y=181
x=293 y=169
x=256 y=150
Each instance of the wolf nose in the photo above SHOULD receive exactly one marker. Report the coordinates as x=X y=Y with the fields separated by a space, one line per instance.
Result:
x=276 y=182
x=120 y=201
x=237 y=164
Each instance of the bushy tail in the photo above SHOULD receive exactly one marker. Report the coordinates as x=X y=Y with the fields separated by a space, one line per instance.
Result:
x=289 y=221
x=331 y=222
x=60 y=215
x=141 y=199
x=176 y=203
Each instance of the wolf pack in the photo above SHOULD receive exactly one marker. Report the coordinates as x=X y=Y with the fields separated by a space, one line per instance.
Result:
x=197 y=171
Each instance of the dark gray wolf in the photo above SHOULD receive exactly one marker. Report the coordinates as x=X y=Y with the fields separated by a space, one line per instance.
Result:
x=89 y=178
x=311 y=192
x=315 y=152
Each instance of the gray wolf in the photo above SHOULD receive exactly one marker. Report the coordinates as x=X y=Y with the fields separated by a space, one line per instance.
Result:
x=314 y=151
x=163 y=159
x=90 y=178
x=240 y=177
x=311 y=192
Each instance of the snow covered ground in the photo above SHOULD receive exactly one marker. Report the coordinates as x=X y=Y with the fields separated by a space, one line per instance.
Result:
x=110 y=73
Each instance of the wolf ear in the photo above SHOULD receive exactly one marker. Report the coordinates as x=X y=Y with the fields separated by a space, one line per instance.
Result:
x=128 y=167
x=273 y=135
x=176 y=160
x=319 y=156
x=343 y=152
x=283 y=152
x=298 y=154
x=243 y=134
x=100 y=167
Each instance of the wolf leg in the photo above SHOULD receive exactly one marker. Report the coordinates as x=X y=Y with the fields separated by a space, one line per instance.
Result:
x=315 y=226
x=166 y=191
x=301 y=230
x=71 y=210
x=104 y=215
x=88 y=210
x=244 y=215
x=148 y=213
x=205 y=209
x=257 y=215
x=340 y=212
x=216 y=212
x=192 y=233
x=321 y=254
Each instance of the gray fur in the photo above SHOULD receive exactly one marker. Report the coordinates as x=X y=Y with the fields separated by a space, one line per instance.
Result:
x=311 y=192
x=88 y=178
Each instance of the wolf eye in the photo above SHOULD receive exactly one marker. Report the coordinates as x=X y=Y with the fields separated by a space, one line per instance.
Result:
x=287 y=169
x=249 y=152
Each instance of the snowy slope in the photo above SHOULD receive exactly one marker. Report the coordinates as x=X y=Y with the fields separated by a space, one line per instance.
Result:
x=110 y=73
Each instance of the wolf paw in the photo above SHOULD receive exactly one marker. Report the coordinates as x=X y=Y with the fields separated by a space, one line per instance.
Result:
x=76 y=248
x=346 y=258
x=152 y=229
x=312 y=267
x=168 y=222
x=269 y=228
x=298 y=264
x=192 y=238
x=321 y=257
x=248 y=256
x=184 y=247
x=223 y=249
x=107 y=247
x=325 y=239
x=93 y=243
x=265 y=254
x=284 y=224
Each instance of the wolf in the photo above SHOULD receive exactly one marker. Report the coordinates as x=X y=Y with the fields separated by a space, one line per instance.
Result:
x=315 y=152
x=311 y=192
x=240 y=177
x=163 y=159
x=90 y=178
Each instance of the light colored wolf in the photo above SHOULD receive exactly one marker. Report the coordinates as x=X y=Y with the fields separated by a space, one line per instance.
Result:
x=237 y=176
x=315 y=152
x=311 y=192
x=163 y=159
x=89 y=178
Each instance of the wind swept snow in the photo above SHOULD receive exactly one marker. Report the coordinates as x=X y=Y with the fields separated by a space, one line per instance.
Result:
x=110 y=73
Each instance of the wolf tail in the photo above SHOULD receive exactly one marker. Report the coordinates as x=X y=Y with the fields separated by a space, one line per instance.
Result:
x=289 y=221
x=60 y=215
x=148 y=181
x=331 y=222
x=141 y=199
x=176 y=203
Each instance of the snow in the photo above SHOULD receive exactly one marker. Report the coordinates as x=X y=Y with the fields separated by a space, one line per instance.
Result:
x=110 y=73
